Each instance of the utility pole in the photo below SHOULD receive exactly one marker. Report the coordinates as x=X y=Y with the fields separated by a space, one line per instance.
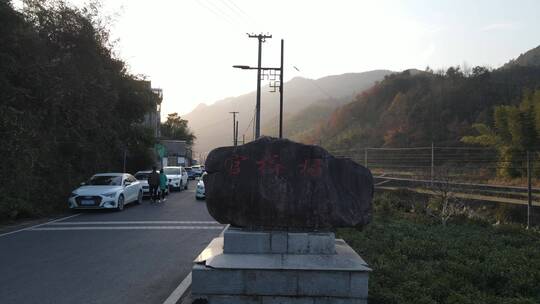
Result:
x=261 y=38
x=234 y=126
x=236 y=135
x=365 y=157
x=257 y=125
x=281 y=94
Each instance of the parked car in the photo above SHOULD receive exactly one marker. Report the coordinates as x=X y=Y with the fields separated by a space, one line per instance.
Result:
x=142 y=176
x=197 y=170
x=190 y=172
x=107 y=191
x=177 y=177
x=200 y=192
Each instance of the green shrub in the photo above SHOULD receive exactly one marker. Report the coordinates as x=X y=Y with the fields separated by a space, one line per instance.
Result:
x=13 y=208
x=507 y=213
x=466 y=261
x=400 y=200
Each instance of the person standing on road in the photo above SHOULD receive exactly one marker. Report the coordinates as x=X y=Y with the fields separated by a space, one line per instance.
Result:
x=153 y=183
x=162 y=184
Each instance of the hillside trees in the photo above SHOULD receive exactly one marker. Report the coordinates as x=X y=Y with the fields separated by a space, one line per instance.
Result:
x=177 y=128
x=416 y=108
x=515 y=130
x=69 y=108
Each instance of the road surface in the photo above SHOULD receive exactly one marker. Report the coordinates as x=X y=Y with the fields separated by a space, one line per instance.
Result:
x=139 y=255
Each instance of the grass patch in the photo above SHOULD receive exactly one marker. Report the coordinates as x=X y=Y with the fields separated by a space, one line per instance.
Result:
x=417 y=260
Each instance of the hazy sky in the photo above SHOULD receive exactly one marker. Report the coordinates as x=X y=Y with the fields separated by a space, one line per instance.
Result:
x=187 y=47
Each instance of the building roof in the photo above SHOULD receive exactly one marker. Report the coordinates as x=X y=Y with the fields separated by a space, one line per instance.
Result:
x=175 y=147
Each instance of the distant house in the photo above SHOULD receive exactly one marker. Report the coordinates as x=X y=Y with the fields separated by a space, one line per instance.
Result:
x=152 y=119
x=177 y=153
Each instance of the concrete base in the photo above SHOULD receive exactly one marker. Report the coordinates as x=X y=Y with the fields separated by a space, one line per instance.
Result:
x=277 y=300
x=338 y=276
x=237 y=240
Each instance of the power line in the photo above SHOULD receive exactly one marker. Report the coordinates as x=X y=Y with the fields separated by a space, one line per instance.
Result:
x=314 y=83
x=217 y=8
x=212 y=124
x=238 y=9
x=233 y=9
x=250 y=122
x=215 y=12
x=252 y=21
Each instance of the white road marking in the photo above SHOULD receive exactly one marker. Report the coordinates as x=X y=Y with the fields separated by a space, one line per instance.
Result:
x=179 y=291
x=128 y=228
x=135 y=223
x=39 y=225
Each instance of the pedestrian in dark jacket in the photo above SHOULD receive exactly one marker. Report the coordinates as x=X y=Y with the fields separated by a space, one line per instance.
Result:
x=153 y=183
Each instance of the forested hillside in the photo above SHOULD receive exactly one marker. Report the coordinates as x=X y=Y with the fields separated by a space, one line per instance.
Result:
x=416 y=109
x=530 y=58
x=297 y=124
x=69 y=108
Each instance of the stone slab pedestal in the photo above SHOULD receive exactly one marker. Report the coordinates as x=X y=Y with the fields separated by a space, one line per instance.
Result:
x=271 y=267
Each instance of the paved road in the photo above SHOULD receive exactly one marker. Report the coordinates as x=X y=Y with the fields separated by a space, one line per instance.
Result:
x=139 y=255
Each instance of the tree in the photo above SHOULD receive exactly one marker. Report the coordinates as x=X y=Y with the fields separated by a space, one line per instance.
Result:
x=69 y=108
x=177 y=128
x=479 y=71
x=443 y=205
x=454 y=72
x=515 y=130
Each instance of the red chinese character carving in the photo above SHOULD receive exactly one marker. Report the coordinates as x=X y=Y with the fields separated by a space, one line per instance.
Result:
x=234 y=167
x=270 y=165
x=311 y=167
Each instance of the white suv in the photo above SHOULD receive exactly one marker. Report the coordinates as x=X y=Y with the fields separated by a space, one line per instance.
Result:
x=177 y=177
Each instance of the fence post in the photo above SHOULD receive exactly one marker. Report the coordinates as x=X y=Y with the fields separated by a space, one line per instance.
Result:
x=529 y=191
x=365 y=157
x=432 y=162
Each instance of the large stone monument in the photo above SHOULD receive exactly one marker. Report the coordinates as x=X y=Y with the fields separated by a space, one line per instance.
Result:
x=282 y=200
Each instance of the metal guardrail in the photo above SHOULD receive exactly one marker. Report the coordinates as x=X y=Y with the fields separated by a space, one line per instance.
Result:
x=472 y=186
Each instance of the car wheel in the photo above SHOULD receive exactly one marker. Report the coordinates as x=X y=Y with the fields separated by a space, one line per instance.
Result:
x=120 y=203
x=139 y=198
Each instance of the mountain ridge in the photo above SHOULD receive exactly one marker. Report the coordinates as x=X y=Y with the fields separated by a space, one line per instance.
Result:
x=416 y=109
x=212 y=123
x=529 y=58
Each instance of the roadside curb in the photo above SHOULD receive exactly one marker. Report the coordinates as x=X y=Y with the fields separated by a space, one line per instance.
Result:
x=180 y=291
x=179 y=294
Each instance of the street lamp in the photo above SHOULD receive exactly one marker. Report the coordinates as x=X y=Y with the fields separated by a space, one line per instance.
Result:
x=243 y=67
x=259 y=68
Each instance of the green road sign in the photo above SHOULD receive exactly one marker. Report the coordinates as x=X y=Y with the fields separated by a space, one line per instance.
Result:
x=160 y=149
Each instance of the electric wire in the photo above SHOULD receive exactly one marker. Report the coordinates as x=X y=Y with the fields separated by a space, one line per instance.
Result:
x=250 y=122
